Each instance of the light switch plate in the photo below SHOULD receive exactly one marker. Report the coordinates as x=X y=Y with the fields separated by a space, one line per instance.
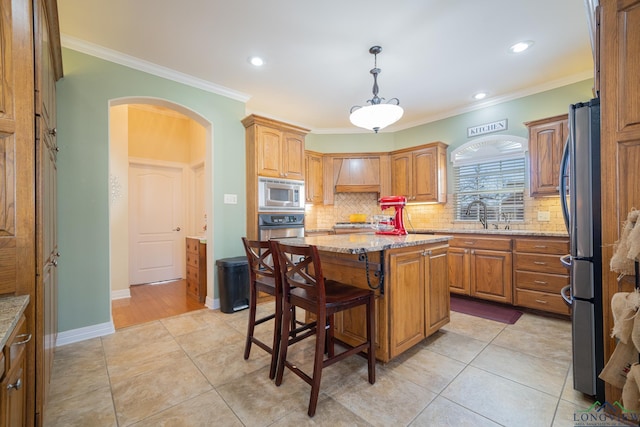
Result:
x=231 y=199
x=544 y=216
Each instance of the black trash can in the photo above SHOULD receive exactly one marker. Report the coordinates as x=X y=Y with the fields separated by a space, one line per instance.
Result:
x=233 y=281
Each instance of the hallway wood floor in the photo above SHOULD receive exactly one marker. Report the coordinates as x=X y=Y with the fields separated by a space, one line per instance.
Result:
x=152 y=302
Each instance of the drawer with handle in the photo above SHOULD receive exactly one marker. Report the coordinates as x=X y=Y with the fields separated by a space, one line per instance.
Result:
x=541 y=263
x=559 y=247
x=541 y=301
x=541 y=281
x=491 y=243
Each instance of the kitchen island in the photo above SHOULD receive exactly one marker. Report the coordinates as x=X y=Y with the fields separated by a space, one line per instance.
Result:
x=409 y=275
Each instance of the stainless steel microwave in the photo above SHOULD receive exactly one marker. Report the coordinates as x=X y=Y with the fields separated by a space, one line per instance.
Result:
x=280 y=195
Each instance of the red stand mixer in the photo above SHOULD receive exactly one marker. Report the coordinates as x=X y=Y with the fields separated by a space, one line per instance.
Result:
x=397 y=202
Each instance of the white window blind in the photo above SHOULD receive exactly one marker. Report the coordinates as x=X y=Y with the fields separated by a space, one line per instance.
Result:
x=498 y=184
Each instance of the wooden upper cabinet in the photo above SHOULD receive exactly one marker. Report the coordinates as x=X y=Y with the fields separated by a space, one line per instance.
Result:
x=274 y=149
x=293 y=155
x=313 y=164
x=401 y=174
x=269 y=151
x=420 y=173
x=546 y=141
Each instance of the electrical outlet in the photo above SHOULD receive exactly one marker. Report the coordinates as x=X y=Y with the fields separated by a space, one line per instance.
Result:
x=231 y=199
x=544 y=216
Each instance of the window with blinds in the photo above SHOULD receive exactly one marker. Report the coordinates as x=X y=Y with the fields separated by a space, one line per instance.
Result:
x=499 y=185
x=490 y=170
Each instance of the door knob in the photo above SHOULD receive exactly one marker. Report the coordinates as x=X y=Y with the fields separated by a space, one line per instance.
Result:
x=176 y=229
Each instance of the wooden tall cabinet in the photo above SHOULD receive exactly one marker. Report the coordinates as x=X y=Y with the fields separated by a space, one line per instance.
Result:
x=48 y=69
x=546 y=141
x=619 y=68
x=32 y=62
x=273 y=149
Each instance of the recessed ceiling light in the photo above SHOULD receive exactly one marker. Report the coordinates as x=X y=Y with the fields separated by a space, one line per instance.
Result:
x=480 y=95
x=256 y=61
x=521 y=46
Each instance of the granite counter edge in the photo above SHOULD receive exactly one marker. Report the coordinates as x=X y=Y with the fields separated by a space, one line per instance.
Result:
x=11 y=309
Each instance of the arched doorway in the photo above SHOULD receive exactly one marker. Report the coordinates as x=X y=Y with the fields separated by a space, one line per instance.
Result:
x=148 y=132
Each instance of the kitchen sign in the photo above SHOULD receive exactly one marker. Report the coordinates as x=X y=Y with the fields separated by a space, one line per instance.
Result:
x=487 y=128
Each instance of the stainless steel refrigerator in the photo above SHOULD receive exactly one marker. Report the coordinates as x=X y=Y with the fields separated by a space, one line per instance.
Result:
x=580 y=200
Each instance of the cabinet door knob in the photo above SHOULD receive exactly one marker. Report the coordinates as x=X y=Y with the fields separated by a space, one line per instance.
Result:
x=53 y=132
x=176 y=229
x=54 y=262
x=15 y=385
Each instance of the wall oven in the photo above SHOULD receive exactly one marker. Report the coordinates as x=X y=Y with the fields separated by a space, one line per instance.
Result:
x=280 y=225
x=280 y=195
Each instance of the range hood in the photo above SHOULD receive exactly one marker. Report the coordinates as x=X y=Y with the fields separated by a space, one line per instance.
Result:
x=356 y=175
x=357 y=188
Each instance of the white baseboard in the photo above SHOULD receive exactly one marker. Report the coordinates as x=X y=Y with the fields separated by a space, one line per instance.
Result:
x=120 y=294
x=82 y=334
x=212 y=303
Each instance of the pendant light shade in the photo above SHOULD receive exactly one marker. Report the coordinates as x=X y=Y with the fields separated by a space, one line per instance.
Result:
x=379 y=113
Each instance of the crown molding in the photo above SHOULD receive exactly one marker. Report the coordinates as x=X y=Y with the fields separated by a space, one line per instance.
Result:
x=85 y=47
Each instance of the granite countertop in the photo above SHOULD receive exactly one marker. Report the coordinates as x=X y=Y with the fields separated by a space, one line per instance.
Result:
x=495 y=232
x=368 y=242
x=11 y=308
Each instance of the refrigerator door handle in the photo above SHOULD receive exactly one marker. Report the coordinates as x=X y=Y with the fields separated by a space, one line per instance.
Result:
x=566 y=260
x=565 y=292
x=564 y=174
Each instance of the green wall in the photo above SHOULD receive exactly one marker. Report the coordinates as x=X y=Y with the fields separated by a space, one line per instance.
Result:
x=83 y=171
x=453 y=130
x=83 y=96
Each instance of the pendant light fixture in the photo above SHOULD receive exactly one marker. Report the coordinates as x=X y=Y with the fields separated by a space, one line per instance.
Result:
x=379 y=113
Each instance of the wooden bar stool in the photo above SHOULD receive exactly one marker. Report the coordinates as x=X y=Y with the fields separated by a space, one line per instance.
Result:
x=304 y=286
x=263 y=278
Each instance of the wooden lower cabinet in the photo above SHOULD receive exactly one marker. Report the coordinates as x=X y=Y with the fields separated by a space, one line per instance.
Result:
x=491 y=275
x=13 y=386
x=530 y=275
x=196 y=269
x=406 y=277
x=481 y=267
x=459 y=271
x=415 y=302
x=539 y=275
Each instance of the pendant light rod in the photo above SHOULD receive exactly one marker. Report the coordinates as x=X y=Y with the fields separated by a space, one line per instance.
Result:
x=379 y=113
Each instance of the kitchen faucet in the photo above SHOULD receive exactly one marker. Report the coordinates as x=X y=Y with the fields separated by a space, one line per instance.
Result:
x=483 y=218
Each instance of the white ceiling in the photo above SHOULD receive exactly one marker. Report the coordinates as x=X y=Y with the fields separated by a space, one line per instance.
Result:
x=436 y=53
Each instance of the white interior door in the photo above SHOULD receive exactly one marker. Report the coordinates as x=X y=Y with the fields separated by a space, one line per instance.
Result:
x=156 y=223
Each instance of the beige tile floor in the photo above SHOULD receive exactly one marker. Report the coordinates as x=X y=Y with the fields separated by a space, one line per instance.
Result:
x=188 y=370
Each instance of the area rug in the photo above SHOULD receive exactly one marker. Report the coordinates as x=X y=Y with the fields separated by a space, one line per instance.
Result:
x=485 y=310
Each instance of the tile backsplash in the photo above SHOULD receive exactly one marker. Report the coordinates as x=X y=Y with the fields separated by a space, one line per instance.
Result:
x=433 y=216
